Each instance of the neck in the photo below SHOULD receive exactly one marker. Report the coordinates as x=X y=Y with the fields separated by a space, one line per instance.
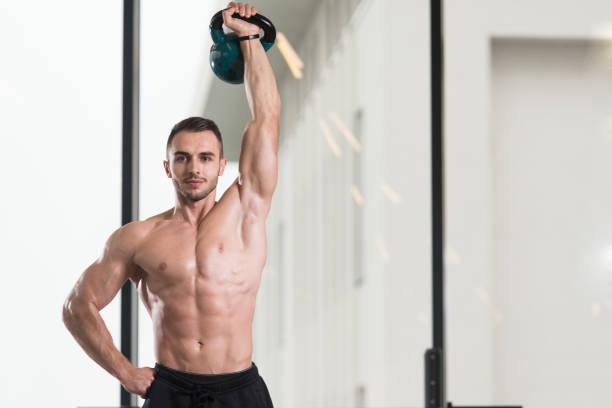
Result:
x=193 y=212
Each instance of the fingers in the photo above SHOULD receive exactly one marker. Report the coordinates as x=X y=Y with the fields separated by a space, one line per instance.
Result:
x=145 y=393
x=244 y=9
x=228 y=12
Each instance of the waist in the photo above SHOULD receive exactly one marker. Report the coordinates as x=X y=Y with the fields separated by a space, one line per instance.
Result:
x=215 y=382
x=204 y=355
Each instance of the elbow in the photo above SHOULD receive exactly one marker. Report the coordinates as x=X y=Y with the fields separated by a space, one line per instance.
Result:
x=67 y=313
x=268 y=121
x=270 y=114
x=71 y=311
x=264 y=125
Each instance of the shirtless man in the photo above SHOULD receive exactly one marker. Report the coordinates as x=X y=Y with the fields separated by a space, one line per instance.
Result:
x=197 y=267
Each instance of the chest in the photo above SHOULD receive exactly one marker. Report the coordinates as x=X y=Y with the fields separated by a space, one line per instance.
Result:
x=180 y=253
x=213 y=254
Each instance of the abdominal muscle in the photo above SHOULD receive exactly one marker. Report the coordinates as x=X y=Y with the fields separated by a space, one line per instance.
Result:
x=203 y=326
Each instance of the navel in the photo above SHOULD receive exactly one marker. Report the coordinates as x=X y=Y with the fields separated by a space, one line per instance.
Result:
x=220 y=248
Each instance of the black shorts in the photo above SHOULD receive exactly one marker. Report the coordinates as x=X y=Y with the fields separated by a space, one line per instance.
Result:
x=181 y=389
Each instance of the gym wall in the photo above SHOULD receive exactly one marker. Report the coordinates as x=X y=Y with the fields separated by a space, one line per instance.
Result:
x=344 y=313
x=527 y=124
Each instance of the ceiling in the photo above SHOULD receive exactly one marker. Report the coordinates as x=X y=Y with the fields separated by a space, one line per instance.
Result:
x=226 y=103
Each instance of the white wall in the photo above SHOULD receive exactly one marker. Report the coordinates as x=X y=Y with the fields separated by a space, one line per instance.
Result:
x=552 y=221
x=473 y=227
x=60 y=104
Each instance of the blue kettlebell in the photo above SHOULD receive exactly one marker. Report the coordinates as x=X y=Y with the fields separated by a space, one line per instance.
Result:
x=226 y=58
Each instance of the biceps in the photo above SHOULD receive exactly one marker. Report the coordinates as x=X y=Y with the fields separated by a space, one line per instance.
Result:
x=99 y=283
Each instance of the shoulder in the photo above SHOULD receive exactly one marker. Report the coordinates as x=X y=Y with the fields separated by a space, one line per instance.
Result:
x=127 y=238
x=133 y=231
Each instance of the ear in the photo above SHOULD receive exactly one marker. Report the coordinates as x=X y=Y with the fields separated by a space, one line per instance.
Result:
x=222 y=165
x=167 y=168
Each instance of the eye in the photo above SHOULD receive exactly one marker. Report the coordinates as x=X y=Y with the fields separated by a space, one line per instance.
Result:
x=180 y=158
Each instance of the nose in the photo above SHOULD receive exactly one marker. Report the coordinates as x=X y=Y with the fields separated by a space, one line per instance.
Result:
x=194 y=167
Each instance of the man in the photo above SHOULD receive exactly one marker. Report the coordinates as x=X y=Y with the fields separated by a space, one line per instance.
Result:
x=197 y=267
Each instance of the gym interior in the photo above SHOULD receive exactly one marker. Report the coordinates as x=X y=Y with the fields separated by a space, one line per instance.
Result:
x=517 y=298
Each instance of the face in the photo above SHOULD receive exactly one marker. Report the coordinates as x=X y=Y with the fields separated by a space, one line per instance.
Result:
x=194 y=164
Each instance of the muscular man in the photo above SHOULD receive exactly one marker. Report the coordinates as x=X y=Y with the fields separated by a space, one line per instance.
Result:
x=197 y=267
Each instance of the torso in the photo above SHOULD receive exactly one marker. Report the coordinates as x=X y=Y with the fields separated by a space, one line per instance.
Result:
x=199 y=285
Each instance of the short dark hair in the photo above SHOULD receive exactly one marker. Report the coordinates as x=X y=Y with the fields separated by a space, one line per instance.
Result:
x=196 y=124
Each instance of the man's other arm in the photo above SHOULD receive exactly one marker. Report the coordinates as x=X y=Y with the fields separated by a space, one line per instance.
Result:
x=94 y=289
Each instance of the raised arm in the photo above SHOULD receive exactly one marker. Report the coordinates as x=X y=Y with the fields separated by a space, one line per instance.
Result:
x=258 y=164
x=94 y=289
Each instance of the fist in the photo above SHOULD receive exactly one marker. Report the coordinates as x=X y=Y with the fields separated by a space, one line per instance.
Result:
x=239 y=26
x=139 y=380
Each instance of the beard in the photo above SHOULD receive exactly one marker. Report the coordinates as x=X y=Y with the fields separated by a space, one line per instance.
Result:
x=194 y=196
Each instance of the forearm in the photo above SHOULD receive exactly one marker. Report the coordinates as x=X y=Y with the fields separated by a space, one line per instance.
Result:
x=259 y=82
x=87 y=327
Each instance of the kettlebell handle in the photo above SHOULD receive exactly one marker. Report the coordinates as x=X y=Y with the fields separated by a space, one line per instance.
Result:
x=261 y=21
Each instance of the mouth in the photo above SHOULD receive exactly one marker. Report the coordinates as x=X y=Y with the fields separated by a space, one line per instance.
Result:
x=194 y=183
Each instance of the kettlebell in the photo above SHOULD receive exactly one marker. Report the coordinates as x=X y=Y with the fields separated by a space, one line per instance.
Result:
x=226 y=58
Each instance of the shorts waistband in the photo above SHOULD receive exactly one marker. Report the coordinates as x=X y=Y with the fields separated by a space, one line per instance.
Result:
x=187 y=381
